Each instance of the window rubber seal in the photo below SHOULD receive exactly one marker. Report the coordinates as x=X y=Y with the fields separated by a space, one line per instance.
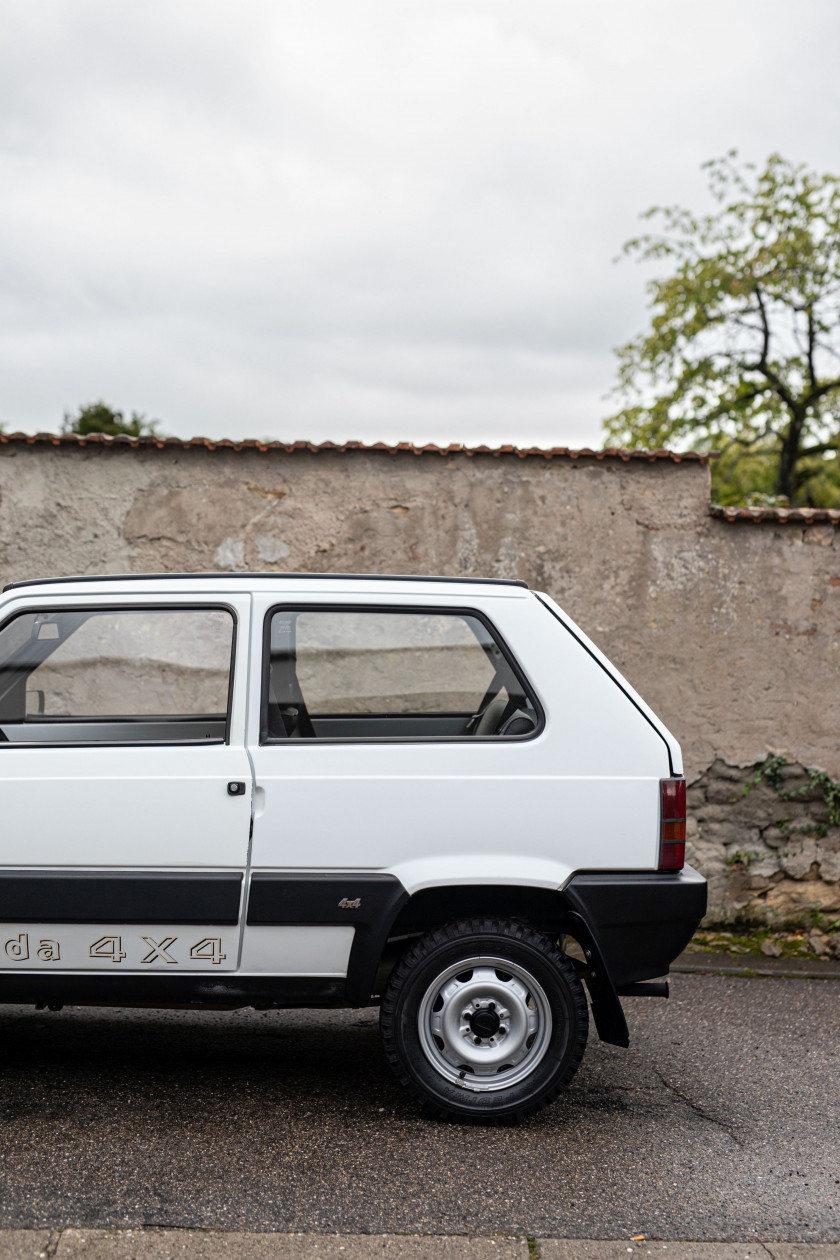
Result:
x=212 y=606
x=300 y=606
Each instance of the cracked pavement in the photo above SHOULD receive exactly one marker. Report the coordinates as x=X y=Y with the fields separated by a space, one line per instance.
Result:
x=161 y=1244
x=721 y=1122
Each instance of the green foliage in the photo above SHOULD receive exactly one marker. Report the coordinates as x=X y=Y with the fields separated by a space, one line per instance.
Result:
x=98 y=417
x=790 y=944
x=829 y=789
x=740 y=860
x=744 y=477
x=743 y=351
x=771 y=772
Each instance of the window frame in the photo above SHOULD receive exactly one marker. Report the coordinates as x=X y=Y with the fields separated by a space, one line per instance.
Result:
x=267 y=740
x=214 y=606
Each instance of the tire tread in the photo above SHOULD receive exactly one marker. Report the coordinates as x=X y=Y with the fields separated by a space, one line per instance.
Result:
x=449 y=934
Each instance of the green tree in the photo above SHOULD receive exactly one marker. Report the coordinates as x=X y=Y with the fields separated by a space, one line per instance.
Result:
x=98 y=417
x=743 y=350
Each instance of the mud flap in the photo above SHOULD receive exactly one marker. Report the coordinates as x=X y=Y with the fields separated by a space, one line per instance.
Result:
x=607 y=1010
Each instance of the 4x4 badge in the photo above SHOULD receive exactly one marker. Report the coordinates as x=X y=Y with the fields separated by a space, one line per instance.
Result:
x=344 y=904
x=159 y=949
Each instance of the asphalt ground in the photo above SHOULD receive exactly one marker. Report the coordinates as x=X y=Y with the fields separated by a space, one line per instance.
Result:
x=721 y=1122
x=171 y=1244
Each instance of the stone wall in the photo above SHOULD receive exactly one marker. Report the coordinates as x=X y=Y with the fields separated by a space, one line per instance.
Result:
x=767 y=837
x=730 y=630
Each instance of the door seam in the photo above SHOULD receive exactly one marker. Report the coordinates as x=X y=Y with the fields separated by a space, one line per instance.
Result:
x=246 y=874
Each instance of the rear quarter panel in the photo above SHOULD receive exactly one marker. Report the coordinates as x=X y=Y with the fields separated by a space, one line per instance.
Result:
x=582 y=794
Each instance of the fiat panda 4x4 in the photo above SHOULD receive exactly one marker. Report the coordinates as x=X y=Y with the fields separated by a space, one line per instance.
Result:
x=286 y=790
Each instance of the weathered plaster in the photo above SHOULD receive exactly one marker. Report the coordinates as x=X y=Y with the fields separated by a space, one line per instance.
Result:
x=731 y=631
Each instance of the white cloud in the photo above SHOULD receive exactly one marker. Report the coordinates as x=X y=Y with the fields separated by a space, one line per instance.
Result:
x=378 y=220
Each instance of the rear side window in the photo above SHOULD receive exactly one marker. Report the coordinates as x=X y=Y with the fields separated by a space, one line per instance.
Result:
x=368 y=673
x=116 y=675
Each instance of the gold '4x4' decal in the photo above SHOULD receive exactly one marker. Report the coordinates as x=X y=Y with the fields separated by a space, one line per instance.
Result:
x=109 y=948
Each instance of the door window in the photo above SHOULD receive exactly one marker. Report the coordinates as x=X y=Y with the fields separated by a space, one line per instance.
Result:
x=138 y=675
x=381 y=674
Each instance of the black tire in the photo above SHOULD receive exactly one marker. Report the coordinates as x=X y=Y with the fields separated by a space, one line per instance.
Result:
x=441 y=1004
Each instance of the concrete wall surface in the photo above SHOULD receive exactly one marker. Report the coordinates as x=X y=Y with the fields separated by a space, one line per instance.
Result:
x=729 y=629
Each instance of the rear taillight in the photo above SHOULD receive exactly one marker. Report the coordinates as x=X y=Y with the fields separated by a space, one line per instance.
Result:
x=672 y=825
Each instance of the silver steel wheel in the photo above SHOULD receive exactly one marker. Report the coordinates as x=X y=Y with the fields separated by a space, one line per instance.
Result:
x=484 y=1023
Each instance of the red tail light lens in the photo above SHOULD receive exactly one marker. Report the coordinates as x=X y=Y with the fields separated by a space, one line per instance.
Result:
x=672 y=826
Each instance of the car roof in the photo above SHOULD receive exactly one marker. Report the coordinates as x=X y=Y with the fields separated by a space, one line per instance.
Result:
x=330 y=582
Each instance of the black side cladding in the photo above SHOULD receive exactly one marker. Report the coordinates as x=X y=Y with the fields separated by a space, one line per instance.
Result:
x=264 y=992
x=119 y=897
x=368 y=902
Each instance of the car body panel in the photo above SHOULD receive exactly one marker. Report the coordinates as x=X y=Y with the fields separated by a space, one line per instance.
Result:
x=337 y=835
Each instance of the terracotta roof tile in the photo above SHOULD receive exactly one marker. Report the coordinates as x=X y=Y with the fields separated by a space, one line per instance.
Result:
x=780 y=516
x=253 y=444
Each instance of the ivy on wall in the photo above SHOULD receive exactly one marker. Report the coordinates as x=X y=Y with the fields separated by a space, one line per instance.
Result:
x=771 y=772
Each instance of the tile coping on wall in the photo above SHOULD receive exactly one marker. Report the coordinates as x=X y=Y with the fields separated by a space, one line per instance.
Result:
x=779 y=516
x=254 y=444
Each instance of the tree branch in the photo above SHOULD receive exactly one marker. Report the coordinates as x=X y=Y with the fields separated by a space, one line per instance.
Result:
x=747 y=442
x=820 y=449
x=763 y=366
x=730 y=403
x=821 y=391
x=812 y=376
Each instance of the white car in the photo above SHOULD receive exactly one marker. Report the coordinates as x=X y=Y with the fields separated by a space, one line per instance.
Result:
x=279 y=790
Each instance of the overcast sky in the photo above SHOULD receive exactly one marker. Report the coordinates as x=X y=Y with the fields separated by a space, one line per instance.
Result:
x=372 y=219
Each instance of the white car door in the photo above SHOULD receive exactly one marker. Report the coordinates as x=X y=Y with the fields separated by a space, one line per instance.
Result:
x=124 y=782
x=378 y=747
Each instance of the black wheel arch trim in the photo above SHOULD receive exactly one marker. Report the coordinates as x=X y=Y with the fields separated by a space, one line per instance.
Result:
x=607 y=1011
x=631 y=925
x=641 y=919
x=367 y=901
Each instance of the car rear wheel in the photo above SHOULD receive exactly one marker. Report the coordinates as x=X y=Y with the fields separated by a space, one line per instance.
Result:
x=484 y=1020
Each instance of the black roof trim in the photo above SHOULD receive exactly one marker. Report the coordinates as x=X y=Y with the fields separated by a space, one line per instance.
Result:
x=355 y=577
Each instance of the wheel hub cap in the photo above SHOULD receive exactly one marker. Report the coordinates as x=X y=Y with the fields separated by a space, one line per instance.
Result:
x=485 y=1022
